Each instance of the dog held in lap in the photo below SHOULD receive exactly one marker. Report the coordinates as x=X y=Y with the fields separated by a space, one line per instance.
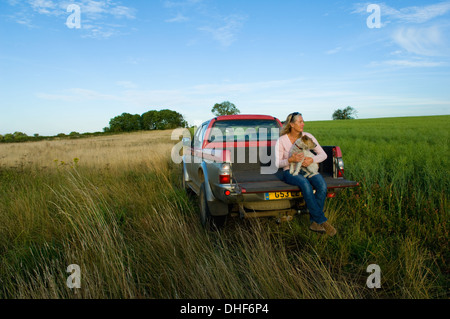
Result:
x=303 y=145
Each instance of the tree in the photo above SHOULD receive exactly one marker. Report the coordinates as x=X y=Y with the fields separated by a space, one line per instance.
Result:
x=170 y=120
x=349 y=113
x=150 y=120
x=125 y=123
x=225 y=108
x=162 y=120
x=20 y=137
x=116 y=124
x=8 y=137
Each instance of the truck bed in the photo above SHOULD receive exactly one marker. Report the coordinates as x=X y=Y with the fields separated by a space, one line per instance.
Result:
x=248 y=176
x=254 y=182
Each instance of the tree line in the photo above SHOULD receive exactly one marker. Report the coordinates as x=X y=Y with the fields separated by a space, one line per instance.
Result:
x=18 y=137
x=151 y=120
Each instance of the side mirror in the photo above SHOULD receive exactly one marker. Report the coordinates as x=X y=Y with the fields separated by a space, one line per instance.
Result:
x=186 y=142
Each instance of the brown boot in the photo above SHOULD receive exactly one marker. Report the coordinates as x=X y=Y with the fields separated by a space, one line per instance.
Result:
x=330 y=230
x=317 y=228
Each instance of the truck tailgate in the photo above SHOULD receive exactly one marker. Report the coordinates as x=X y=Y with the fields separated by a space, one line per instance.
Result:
x=255 y=182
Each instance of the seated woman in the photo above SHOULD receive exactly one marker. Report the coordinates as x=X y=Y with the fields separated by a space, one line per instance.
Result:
x=291 y=131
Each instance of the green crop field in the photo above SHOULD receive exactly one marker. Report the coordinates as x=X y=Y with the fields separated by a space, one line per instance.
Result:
x=115 y=206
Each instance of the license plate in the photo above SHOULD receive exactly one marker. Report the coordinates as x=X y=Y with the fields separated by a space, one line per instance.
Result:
x=282 y=195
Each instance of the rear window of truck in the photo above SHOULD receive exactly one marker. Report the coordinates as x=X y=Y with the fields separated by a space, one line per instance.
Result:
x=244 y=130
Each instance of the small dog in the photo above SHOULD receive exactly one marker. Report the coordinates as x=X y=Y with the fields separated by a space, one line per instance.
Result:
x=303 y=145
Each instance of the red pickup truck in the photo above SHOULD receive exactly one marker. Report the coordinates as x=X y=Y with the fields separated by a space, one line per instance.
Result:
x=230 y=165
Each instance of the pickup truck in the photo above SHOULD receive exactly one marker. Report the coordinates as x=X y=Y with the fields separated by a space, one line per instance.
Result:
x=230 y=164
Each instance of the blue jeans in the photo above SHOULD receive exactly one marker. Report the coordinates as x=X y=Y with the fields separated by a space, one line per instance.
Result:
x=314 y=202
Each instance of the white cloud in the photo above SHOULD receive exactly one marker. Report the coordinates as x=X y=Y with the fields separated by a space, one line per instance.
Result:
x=412 y=14
x=415 y=63
x=126 y=84
x=226 y=33
x=416 y=30
x=96 y=16
x=421 y=41
x=221 y=26
x=334 y=51
x=43 y=6
x=178 y=18
x=416 y=14
x=78 y=95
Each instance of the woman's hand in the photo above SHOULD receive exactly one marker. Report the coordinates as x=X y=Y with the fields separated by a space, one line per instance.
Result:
x=296 y=158
x=308 y=161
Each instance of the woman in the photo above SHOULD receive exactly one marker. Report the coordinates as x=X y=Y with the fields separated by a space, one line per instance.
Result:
x=291 y=131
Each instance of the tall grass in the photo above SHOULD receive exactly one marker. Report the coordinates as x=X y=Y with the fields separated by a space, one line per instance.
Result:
x=403 y=166
x=151 y=246
x=119 y=212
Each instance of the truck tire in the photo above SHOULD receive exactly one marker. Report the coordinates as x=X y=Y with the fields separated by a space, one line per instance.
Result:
x=208 y=221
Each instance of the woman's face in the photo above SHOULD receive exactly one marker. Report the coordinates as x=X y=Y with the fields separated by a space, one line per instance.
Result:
x=297 y=124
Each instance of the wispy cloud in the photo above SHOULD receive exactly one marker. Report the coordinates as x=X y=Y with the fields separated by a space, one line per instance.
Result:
x=412 y=14
x=178 y=18
x=97 y=17
x=415 y=31
x=416 y=14
x=334 y=51
x=77 y=95
x=411 y=63
x=126 y=84
x=222 y=27
x=226 y=33
x=421 y=41
x=45 y=7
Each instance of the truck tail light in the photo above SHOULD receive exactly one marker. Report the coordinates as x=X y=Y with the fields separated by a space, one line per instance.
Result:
x=225 y=174
x=337 y=154
x=340 y=167
x=224 y=179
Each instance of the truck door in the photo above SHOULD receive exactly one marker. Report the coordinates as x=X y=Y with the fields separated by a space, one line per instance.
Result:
x=196 y=153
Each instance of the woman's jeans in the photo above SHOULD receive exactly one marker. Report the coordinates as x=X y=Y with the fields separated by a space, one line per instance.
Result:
x=314 y=202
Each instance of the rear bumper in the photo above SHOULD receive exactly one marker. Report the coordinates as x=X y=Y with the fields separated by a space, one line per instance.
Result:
x=256 y=191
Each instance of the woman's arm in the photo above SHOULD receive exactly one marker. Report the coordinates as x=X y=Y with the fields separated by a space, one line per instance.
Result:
x=281 y=160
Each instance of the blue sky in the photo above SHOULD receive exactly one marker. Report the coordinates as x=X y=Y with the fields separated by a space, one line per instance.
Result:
x=266 y=57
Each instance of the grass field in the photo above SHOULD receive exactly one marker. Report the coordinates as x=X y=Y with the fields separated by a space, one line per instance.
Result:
x=114 y=206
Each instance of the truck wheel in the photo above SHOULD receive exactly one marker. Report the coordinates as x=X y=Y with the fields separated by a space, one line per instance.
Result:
x=208 y=221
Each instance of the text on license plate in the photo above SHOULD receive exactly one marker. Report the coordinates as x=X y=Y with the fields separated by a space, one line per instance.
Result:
x=282 y=195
